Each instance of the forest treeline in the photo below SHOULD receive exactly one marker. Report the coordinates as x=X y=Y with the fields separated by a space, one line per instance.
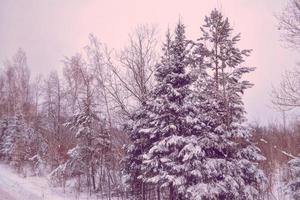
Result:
x=144 y=123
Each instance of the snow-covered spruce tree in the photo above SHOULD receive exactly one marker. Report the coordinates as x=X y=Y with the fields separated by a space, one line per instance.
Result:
x=134 y=151
x=140 y=138
x=292 y=188
x=18 y=142
x=227 y=165
x=7 y=139
x=3 y=128
x=90 y=146
x=93 y=139
x=164 y=129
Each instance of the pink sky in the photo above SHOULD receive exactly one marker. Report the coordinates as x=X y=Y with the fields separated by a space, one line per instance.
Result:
x=50 y=30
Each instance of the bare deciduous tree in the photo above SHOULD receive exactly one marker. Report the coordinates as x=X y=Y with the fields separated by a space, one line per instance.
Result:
x=289 y=24
x=135 y=67
x=287 y=95
x=73 y=80
x=16 y=85
x=97 y=61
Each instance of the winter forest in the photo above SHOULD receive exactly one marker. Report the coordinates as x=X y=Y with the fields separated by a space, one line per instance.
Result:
x=159 y=119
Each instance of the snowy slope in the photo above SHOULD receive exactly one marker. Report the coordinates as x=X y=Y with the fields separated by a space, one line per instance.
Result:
x=30 y=188
x=14 y=187
x=5 y=196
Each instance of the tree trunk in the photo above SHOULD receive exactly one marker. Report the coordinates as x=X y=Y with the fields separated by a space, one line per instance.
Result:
x=88 y=180
x=171 y=196
x=216 y=66
x=143 y=191
x=227 y=115
x=109 y=192
x=158 y=192
x=93 y=178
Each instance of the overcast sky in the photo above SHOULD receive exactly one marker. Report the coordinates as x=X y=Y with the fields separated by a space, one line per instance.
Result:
x=49 y=30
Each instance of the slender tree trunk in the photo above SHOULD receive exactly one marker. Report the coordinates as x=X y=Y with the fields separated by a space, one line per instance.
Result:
x=143 y=191
x=93 y=178
x=227 y=116
x=107 y=110
x=100 y=187
x=109 y=192
x=100 y=177
x=158 y=192
x=171 y=196
x=58 y=109
x=216 y=66
x=79 y=183
x=88 y=178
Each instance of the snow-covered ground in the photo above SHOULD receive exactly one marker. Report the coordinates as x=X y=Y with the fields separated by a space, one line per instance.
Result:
x=33 y=188
x=15 y=187
x=5 y=195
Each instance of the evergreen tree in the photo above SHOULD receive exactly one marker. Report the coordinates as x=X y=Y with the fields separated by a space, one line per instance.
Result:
x=18 y=141
x=227 y=165
x=164 y=162
x=90 y=145
x=141 y=141
x=93 y=140
x=164 y=129
x=293 y=186
x=225 y=60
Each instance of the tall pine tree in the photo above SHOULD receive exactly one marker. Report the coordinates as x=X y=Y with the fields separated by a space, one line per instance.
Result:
x=227 y=167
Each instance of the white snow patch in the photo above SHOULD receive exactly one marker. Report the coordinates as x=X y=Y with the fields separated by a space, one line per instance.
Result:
x=34 y=188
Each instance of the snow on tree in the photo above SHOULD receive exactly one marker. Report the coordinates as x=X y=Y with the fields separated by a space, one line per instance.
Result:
x=292 y=188
x=7 y=139
x=92 y=136
x=225 y=60
x=227 y=161
x=18 y=141
x=137 y=129
x=162 y=131
x=133 y=160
